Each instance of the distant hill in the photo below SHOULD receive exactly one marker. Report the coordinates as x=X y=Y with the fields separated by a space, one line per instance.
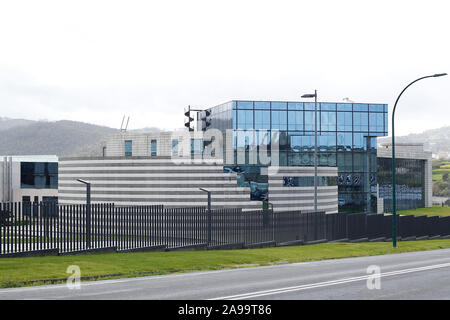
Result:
x=434 y=140
x=62 y=138
x=8 y=123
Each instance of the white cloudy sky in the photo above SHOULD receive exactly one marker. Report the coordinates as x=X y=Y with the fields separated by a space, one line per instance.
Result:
x=96 y=61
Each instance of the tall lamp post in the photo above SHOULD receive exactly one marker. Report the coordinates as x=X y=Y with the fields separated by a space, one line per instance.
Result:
x=88 y=212
x=314 y=95
x=209 y=213
x=394 y=200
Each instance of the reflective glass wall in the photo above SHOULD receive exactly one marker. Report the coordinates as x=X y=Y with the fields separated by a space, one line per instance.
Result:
x=39 y=175
x=346 y=138
x=410 y=187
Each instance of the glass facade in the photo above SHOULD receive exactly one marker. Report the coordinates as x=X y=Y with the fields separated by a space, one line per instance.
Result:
x=197 y=146
x=175 y=147
x=153 y=148
x=347 y=135
x=39 y=175
x=410 y=187
x=128 y=148
x=309 y=181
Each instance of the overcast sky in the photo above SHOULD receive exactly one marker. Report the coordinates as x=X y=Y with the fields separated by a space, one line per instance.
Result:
x=96 y=61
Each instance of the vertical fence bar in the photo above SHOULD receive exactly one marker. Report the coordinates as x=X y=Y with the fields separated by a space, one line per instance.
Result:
x=70 y=227
x=14 y=210
x=102 y=225
x=2 y=227
x=22 y=227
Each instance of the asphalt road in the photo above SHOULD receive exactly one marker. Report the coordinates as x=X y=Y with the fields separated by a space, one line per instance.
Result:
x=417 y=275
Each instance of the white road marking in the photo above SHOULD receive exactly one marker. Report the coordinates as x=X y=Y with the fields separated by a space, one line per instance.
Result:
x=256 y=294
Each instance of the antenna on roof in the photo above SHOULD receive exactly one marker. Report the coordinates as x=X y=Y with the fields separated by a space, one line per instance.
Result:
x=128 y=120
x=121 y=125
x=122 y=129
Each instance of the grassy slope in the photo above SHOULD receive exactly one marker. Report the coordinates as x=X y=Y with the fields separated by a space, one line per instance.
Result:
x=17 y=271
x=439 y=169
x=434 y=211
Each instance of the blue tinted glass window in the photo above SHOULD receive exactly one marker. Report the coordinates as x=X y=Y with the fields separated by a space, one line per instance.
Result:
x=295 y=120
x=295 y=142
x=262 y=119
x=376 y=107
x=376 y=122
x=196 y=146
x=175 y=147
x=360 y=107
x=128 y=148
x=295 y=106
x=307 y=142
x=245 y=138
x=345 y=161
x=245 y=104
x=386 y=123
x=344 y=107
x=309 y=106
x=262 y=138
x=361 y=121
x=279 y=120
x=262 y=105
x=385 y=108
x=327 y=159
x=344 y=141
x=327 y=106
x=328 y=121
x=309 y=120
x=359 y=142
x=234 y=119
x=279 y=105
x=326 y=141
x=245 y=119
x=344 y=121
x=153 y=147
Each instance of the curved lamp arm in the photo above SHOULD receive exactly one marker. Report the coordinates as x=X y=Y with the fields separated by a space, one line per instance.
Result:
x=394 y=204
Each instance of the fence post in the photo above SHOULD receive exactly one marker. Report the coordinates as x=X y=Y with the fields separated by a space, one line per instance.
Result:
x=209 y=218
x=88 y=216
x=209 y=213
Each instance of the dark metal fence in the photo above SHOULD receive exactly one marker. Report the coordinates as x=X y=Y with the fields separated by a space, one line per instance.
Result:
x=71 y=228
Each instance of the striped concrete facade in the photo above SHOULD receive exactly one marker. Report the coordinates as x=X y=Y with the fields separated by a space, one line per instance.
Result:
x=302 y=198
x=176 y=183
x=155 y=180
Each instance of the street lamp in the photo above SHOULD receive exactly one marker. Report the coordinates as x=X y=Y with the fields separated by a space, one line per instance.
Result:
x=394 y=205
x=88 y=212
x=314 y=95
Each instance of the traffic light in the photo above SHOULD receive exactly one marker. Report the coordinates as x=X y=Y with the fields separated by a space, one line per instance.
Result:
x=206 y=120
x=187 y=123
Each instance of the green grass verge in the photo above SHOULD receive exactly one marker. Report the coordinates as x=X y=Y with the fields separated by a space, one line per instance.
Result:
x=434 y=211
x=23 y=271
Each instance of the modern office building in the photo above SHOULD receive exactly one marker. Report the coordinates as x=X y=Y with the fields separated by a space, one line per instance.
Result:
x=168 y=168
x=347 y=134
x=29 y=178
x=414 y=178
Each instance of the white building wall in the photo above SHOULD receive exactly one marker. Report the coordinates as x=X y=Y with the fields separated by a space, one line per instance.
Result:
x=10 y=186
